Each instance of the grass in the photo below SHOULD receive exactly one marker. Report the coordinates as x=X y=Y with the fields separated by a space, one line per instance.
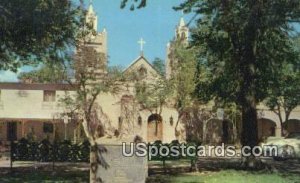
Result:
x=224 y=176
x=46 y=177
x=228 y=176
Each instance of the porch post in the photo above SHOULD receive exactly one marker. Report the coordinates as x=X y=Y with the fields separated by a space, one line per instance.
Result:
x=278 y=132
x=23 y=128
x=54 y=130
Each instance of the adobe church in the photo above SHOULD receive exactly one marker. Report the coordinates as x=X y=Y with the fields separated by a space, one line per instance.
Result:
x=33 y=110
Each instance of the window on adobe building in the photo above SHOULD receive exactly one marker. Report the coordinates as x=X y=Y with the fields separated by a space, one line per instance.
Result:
x=48 y=128
x=171 y=120
x=140 y=120
x=49 y=96
x=142 y=72
x=120 y=119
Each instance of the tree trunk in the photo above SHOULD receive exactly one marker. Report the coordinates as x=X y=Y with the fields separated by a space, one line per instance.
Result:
x=281 y=121
x=156 y=127
x=86 y=129
x=94 y=154
x=280 y=118
x=250 y=135
x=97 y=161
x=281 y=129
x=248 y=67
x=94 y=165
x=178 y=120
x=249 y=124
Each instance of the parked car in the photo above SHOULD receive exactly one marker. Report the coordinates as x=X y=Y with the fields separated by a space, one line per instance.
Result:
x=287 y=147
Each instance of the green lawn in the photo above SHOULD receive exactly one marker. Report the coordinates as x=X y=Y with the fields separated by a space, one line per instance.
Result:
x=46 y=177
x=225 y=176
x=228 y=176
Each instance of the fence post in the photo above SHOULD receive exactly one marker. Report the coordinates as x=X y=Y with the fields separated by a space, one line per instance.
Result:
x=53 y=156
x=11 y=155
x=164 y=166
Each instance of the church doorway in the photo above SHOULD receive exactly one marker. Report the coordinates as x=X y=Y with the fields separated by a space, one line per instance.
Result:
x=155 y=128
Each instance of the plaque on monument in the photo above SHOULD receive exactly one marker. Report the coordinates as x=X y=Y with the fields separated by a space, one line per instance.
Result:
x=122 y=169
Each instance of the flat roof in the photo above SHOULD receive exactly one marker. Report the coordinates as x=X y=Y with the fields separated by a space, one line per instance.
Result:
x=35 y=86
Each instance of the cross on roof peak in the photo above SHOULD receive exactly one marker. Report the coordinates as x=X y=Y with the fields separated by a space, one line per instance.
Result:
x=142 y=43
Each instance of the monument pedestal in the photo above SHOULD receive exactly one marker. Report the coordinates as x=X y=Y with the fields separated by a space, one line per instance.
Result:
x=121 y=169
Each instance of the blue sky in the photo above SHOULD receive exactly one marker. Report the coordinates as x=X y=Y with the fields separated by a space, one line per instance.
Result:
x=155 y=24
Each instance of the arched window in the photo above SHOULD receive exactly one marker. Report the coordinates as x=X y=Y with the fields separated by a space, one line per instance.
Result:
x=171 y=121
x=140 y=120
x=120 y=121
x=142 y=72
x=183 y=36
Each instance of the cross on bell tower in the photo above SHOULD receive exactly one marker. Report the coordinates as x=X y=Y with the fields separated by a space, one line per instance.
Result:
x=182 y=31
x=91 y=16
x=142 y=43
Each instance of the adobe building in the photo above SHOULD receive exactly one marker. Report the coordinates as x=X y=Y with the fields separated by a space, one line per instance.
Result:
x=35 y=111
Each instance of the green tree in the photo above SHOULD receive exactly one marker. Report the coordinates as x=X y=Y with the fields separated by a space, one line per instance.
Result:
x=84 y=102
x=241 y=46
x=182 y=78
x=35 y=31
x=48 y=73
x=159 y=66
x=284 y=95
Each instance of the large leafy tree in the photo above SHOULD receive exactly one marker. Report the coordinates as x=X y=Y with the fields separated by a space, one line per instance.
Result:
x=35 y=31
x=241 y=46
x=284 y=95
x=182 y=78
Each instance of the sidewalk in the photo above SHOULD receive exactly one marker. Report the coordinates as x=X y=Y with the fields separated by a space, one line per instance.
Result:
x=29 y=166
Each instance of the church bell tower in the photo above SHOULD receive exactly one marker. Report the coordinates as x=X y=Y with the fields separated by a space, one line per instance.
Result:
x=182 y=31
x=98 y=42
x=181 y=37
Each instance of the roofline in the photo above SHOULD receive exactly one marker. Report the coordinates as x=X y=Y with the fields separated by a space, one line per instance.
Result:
x=137 y=59
x=52 y=120
x=36 y=86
